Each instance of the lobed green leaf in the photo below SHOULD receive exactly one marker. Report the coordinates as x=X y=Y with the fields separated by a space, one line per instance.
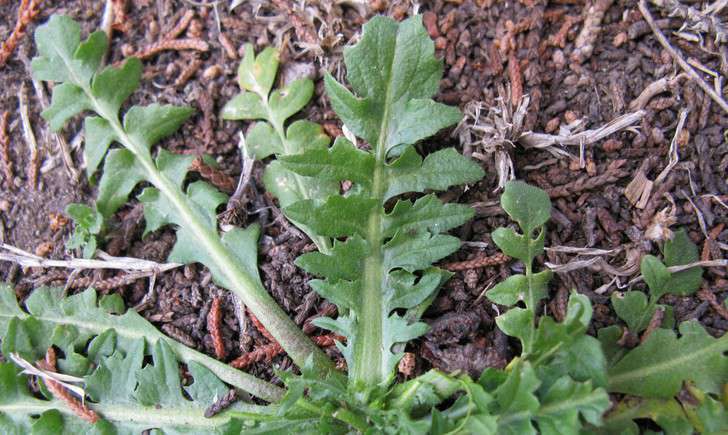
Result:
x=658 y=367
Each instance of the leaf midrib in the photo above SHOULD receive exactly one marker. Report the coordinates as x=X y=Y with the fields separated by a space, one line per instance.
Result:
x=293 y=340
x=124 y=413
x=666 y=365
x=369 y=351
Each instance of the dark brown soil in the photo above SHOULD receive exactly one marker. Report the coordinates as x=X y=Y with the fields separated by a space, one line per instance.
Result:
x=486 y=45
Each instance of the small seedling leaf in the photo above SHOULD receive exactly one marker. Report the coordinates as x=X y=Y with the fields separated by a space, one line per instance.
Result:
x=681 y=250
x=656 y=275
x=527 y=205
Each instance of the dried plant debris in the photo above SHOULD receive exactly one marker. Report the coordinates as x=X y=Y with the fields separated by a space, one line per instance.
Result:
x=697 y=22
x=493 y=133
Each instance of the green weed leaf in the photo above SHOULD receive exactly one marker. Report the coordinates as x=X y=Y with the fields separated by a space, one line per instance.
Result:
x=438 y=171
x=149 y=124
x=88 y=223
x=68 y=101
x=527 y=205
x=658 y=367
x=63 y=58
x=113 y=85
x=122 y=172
x=372 y=262
x=129 y=395
x=99 y=136
x=656 y=275
x=681 y=250
x=531 y=208
x=394 y=72
x=257 y=73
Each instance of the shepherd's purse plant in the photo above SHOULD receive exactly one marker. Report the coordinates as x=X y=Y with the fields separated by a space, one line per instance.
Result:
x=367 y=202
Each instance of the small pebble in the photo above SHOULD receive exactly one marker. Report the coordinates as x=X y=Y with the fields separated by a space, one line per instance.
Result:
x=212 y=72
x=429 y=19
x=620 y=39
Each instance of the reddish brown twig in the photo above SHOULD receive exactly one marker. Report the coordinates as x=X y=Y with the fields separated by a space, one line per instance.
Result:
x=263 y=353
x=492 y=260
x=27 y=11
x=215 y=176
x=709 y=248
x=655 y=323
x=516 y=79
x=174 y=45
x=61 y=393
x=259 y=326
x=188 y=72
x=329 y=310
x=559 y=38
x=406 y=365
x=269 y=351
x=222 y=403
x=181 y=25
x=709 y=296
x=5 y=149
x=121 y=22
x=327 y=340
x=214 y=318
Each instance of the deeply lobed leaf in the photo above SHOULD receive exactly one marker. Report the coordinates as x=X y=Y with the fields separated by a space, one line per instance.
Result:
x=230 y=257
x=394 y=72
x=372 y=262
x=531 y=208
x=108 y=351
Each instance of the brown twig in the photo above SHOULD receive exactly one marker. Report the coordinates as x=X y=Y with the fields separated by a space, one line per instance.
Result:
x=214 y=319
x=709 y=297
x=263 y=353
x=178 y=334
x=327 y=340
x=215 y=176
x=120 y=22
x=5 y=150
x=584 y=44
x=559 y=38
x=174 y=45
x=59 y=392
x=222 y=403
x=655 y=323
x=27 y=11
x=181 y=25
x=679 y=59
x=476 y=263
x=612 y=174
x=89 y=281
x=516 y=79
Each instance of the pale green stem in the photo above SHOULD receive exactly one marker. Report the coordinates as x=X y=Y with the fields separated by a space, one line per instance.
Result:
x=251 y=293
x=369 y=369
x=144 y=416
x=298 y=346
